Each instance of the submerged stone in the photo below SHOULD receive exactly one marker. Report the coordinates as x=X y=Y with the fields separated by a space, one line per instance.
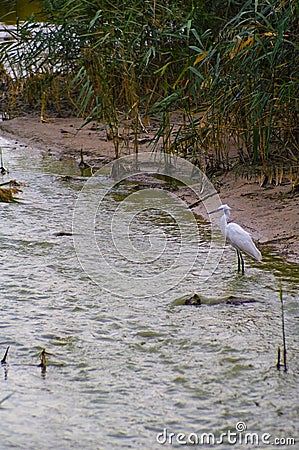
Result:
x=189 y=299
x=195 y=299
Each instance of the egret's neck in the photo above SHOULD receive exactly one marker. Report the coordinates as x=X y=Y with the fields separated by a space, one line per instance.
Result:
x=223 y=223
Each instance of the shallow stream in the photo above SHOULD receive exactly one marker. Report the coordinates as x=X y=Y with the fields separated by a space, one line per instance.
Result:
x=126 y=371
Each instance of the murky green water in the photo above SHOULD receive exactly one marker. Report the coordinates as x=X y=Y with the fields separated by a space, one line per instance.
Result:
x=122 y=370
x=10 y=10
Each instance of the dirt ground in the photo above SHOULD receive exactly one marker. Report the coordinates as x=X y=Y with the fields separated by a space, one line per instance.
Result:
x=269 y=213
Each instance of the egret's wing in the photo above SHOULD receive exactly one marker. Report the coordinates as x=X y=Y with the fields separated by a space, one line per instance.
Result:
x=241 y=239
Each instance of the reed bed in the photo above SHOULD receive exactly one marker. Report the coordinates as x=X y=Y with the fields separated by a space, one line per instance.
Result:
x=218 y=75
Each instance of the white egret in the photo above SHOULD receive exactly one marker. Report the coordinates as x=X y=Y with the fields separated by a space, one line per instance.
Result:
x=238 y=237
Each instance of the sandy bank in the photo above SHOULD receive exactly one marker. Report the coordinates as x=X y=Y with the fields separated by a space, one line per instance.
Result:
x=270 y=214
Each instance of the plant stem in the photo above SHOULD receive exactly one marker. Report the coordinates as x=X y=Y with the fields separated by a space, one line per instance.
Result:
x=283 y=330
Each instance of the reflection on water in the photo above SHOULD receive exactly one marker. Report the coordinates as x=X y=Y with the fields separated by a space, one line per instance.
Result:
x=122 y=370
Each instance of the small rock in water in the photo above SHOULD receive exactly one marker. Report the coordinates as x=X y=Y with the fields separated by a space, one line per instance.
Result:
x=233 y=300
x=63 y=233
x=189 y=299
x=193 y=300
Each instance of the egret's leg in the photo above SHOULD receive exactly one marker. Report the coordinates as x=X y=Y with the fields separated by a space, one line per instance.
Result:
x=243 y=266
x=238 y=255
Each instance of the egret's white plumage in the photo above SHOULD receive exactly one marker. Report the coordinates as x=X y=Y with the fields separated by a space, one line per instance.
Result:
x=237 y=236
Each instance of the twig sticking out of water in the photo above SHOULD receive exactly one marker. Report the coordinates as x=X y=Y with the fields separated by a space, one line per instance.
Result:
x=278 y=358
x=3 y=171
x=11 y=183
x=43 y=361
x=283 y=335
x=5 y=398
x=82 y=164
x=3 y=360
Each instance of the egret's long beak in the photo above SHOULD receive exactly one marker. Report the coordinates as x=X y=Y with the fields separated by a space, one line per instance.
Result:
x=215 y=210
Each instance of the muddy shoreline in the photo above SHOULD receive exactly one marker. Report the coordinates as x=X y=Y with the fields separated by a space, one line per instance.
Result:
x=270 y=214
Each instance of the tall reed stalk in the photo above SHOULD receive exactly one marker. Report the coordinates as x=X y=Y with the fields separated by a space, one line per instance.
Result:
x=284 y=346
